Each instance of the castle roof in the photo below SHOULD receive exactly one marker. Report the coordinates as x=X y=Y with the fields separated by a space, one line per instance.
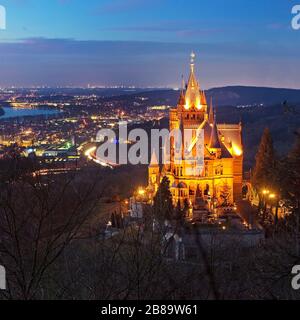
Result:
x=154 y=161
x=211 y=112
x=181 y=100
x=193 y=97
x=214 y=142
x=225 y=152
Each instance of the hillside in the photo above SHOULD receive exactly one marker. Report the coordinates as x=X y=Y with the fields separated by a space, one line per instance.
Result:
x=224 y=96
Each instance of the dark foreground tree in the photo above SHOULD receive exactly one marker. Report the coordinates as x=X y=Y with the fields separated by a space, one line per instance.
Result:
x=264 y=170
x=163 y=206
x=292 y=172
x=39 y=217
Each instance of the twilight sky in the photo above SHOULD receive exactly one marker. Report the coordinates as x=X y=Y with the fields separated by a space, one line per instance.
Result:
x=148 y=42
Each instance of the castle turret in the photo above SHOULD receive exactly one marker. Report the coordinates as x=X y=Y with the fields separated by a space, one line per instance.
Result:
x=181 y=100
x=214 y=143
x=153 y=172
x=211 y=113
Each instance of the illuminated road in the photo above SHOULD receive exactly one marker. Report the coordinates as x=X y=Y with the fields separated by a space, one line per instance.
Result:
x=91 y=155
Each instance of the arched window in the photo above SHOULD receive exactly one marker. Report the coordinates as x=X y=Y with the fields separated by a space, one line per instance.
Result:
x=206 y=191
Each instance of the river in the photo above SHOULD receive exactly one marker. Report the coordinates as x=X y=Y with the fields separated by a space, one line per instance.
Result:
x=15 y=112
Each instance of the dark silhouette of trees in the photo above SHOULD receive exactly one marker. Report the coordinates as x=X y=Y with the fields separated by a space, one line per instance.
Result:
x=292 y=171
x=225 y=195
x=39 y=218
x=162 y=204
x=264 y=171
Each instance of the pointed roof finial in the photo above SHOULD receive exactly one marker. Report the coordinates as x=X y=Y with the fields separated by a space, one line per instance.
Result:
x=192 y=61
x=182 y=83
x=211 y=116
x=181 y=100
x=214 y=138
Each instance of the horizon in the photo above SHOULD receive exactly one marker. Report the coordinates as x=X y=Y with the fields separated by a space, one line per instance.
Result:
x=133 y=87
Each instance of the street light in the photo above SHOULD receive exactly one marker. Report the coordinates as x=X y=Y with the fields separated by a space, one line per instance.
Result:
x=265 y=192
x=141 y=191
x=273 y=197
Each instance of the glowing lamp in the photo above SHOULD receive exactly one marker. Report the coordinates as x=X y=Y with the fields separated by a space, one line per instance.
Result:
x=141 y=192
x=236 y=150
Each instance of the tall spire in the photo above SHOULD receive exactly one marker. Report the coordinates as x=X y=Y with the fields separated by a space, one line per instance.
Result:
x=211 y=113
x=192 y=95
x=214 y=138
x=181 y=97
x=154 y=161
x=182 y=83
x=203 y=98
x=192 y=61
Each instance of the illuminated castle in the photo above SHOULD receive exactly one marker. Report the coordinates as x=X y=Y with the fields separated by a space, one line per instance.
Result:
x=220 y=178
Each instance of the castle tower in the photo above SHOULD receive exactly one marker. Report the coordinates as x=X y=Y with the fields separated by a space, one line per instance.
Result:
x=222 y=151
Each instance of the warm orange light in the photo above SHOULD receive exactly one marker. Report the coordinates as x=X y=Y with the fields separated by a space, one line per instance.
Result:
x=237 y=150
x=272 y=196
x=265 y=191
x=186 y=106
x=141 y=191
x=89 y=152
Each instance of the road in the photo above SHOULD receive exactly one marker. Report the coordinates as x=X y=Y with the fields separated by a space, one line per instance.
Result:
x=91 y=154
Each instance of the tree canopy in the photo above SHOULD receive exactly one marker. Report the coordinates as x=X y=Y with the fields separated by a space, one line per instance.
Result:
x=163 y=205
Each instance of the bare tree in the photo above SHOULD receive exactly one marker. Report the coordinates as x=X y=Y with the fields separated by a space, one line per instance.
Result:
x=39 y=217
